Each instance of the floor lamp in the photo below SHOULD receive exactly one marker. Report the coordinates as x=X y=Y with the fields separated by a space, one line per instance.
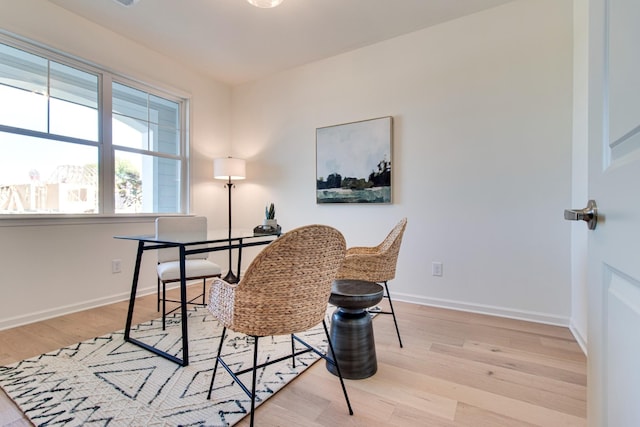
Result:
x=228 y=168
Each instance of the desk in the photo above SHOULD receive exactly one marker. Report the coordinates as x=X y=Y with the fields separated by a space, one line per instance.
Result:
x=217 y=240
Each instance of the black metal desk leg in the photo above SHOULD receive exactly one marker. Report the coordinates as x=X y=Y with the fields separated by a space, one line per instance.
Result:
x=134 y=290
x=239 y=257
x=183 y=308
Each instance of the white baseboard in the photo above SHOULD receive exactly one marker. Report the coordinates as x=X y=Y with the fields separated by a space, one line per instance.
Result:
x=510 y=313
x=435 y=302
x=16 y=321
x=582 y=342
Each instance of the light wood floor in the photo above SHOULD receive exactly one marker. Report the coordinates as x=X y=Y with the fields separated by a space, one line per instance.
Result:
x=456 y=369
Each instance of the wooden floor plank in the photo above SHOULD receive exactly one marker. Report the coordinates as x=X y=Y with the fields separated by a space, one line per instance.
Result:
x=505 y=382
x=575 y=366
x=472 y=416
x=504 y=361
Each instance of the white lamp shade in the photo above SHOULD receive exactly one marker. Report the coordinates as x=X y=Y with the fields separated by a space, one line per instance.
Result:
x=265 y=3
x=228 y=168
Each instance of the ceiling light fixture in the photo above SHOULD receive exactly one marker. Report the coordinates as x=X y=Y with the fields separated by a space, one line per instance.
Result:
x=265 y=4
x=127 y=3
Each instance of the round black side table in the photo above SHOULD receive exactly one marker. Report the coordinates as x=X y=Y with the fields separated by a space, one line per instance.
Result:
x=351 y=329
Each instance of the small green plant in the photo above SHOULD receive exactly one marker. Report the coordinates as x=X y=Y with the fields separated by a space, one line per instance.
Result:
x=270 y=212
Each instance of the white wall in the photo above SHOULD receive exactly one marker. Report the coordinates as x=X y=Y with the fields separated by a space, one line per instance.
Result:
x=53 y=267
x=482 y=108
x=579 y=175
x=482 y=154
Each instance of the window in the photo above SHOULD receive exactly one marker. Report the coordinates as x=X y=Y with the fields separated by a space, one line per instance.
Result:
x=62 y=155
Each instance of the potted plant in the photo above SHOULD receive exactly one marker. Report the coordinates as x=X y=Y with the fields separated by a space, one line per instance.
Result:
x=270 y=216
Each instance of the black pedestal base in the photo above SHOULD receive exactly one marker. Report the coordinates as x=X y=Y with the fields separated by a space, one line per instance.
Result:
x=352 y=338
x=230 y=277
x=351 y=329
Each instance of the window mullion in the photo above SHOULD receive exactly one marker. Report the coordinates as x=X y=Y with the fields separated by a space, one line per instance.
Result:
x=107 y=158
x=185 y=199
x=48 y=96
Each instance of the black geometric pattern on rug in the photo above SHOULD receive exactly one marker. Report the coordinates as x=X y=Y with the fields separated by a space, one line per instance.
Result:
x=108 y=382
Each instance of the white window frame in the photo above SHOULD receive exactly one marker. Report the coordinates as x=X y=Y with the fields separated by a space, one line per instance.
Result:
x=106 y=163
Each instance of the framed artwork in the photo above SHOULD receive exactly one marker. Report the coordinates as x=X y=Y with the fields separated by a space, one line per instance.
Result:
x=353 y=162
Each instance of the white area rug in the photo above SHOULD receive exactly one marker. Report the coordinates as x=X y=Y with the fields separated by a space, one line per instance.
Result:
x=105 y=381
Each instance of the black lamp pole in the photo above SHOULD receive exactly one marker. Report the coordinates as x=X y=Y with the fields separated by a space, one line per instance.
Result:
x=228 y=168
x=230 y=277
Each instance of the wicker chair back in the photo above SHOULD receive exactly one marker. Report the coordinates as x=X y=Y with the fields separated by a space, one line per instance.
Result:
x=377 y=263
x=286 y=288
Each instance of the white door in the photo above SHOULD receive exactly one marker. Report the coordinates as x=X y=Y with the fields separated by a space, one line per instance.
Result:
x=614 y=183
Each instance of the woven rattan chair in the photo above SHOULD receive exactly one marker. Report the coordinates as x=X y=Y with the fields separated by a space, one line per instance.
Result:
x=284 y=291
x=197 y=266
x=376 y=264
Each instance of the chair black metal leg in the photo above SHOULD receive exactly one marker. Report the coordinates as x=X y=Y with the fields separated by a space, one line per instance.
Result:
x=293 y=352
x=215 y=367
x=253 y=380
x=393 y=313
x=164 y=304
x=254 y=368
x=204 y=289
x=335 y=361
x=158 y=294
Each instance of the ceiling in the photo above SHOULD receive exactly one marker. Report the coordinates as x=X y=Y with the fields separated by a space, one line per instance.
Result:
x=234 y=42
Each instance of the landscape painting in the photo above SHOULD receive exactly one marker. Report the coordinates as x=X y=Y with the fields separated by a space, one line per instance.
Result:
x=353 y=162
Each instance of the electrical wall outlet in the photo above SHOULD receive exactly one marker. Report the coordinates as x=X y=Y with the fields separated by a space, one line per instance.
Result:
x=436 y=268
x=116 y=266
